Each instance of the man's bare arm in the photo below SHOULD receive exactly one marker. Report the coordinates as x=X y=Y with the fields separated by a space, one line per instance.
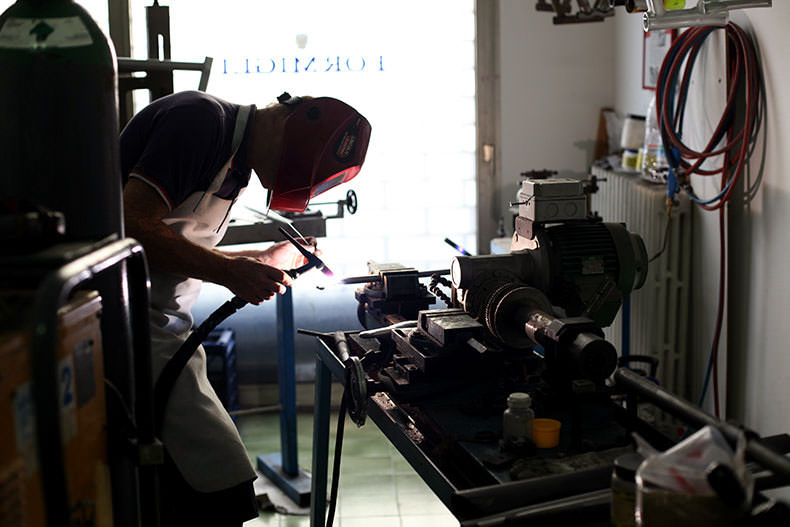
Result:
x=247 y=277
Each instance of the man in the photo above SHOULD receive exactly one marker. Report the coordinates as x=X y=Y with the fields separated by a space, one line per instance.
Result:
x=186 y=158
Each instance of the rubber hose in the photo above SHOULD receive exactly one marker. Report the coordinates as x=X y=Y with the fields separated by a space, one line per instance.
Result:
x=171 y=371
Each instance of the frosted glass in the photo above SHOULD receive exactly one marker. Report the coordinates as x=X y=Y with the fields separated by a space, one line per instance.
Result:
x=408 y=66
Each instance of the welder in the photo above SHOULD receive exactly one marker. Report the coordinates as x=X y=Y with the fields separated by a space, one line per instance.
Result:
x=186 y=158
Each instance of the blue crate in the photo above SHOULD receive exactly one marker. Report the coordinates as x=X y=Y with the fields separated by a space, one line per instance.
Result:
x=220 y=349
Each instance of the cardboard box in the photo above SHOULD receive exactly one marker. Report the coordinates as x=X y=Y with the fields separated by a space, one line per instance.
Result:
x=82 y=417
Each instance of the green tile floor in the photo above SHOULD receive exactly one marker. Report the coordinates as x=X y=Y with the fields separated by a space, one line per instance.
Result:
x=377 y=486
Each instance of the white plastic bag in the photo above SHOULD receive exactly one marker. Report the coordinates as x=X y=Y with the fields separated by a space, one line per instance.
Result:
x=673 y=487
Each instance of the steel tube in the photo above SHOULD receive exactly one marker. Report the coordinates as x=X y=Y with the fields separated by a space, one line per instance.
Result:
x=685 y=410
x=685 y=18
x=126 y=65
x=139 y=304
x=286 y=375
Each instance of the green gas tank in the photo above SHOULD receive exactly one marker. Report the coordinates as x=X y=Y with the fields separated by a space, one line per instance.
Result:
x=59 y=117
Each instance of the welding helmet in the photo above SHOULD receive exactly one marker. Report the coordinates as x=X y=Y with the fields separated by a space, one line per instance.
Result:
x=324 y=144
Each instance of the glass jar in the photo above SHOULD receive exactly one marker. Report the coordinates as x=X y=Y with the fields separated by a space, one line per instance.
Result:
x=624 y=490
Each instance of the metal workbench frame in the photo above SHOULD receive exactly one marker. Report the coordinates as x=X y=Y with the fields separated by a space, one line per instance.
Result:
x=400 y=430
x=327 y=366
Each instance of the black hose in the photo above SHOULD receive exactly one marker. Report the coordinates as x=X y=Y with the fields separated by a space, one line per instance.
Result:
x=341 y=419
x=171 y=371
x=437 y=279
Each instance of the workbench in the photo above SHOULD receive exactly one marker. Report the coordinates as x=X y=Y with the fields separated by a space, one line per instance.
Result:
x=579 y=498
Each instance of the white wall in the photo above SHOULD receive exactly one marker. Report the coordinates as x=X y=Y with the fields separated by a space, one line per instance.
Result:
x=629 y=97
x=632 y=98
x=760 y=373
x=554 y=80
x=758 y=369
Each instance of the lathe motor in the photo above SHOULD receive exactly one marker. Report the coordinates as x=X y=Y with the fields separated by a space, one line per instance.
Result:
x=558 y=294
x=564 y=280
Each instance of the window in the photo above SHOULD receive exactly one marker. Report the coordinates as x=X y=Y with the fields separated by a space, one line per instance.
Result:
x=407 y=66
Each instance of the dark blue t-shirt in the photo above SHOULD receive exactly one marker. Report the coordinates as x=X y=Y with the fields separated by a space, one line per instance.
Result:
x=178 y=143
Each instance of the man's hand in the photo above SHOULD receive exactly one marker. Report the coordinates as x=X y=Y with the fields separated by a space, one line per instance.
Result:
x=249 y=278
x=282 y=255
x=254 y=281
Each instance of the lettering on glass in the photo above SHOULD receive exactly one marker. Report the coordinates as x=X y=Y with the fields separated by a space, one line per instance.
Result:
x=298 y=65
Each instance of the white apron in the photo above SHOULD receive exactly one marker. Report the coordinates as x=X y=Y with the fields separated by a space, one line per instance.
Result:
x=198 y=433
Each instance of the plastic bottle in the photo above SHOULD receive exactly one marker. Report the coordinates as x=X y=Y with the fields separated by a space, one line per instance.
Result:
x=519 y=418
x=651 y=155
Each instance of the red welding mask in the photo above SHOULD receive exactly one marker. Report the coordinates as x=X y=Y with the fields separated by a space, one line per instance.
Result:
x=324 y=145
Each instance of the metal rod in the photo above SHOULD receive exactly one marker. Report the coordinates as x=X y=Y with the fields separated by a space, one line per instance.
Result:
x=378 y=278
x=126 y=65
x=362 y=279
x=386 y=329
x=312 y=333
x=204 y=74
x=457 y=247
x=257 y=410
x=687 y=411
x=726 y=5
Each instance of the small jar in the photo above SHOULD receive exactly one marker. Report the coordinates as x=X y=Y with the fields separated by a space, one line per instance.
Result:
x=629 y=159
x=519 y=418
x=624 y=490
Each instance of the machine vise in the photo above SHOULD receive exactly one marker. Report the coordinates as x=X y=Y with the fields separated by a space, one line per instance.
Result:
x=392 y=293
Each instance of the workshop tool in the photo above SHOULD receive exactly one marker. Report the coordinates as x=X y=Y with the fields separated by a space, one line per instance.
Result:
x=371 y=333
x=312 y=259
x=391 y=290
x=279 y=218
x=528 y=321
x=562 y=10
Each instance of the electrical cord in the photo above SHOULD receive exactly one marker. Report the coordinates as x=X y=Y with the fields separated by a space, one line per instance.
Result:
x=744 y=75
x=744 y=72
x=122 y=402
x=667 y=231
x=713 y=357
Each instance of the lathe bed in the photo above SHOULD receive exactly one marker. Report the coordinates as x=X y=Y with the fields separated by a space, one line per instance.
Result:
x=449 y=431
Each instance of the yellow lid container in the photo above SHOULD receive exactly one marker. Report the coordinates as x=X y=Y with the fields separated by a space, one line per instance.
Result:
x=547 y=433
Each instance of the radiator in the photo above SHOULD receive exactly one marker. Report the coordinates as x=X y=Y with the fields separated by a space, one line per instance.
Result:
x=660 y=309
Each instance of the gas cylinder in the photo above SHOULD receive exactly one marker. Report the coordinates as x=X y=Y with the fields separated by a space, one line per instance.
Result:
x=59 y=144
